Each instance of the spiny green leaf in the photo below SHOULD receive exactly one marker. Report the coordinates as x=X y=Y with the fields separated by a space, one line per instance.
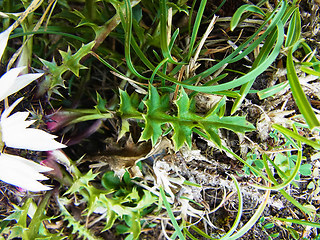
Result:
x=210 y=123
x=76 y=225
x=54 y=78
x=188 y=120
x=184 y=122
x=111 y=218
x=82 y=182
x=156 y=115
x=101 y=104
x=128 y=105
x=72 y=62
x=135 y=226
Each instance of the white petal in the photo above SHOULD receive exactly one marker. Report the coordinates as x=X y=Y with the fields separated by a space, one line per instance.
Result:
x=16 y=121
x=4 y=36
x=17 y=117
x=8 y=80
x=23 y=81
x=37 y=167
x=32 y=139
x=16 y=134
x=21 y=172
x=7 y=112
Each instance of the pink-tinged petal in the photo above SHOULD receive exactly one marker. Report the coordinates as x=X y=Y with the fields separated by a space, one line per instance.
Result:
x=60 y=119
x=22 y=172
x=4 y=36
x=56 y=172
x=59 y=156
x=86 y=133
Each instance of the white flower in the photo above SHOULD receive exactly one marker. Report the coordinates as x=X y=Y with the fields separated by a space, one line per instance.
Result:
x=23 y=173
x=16 y=134
x=4 y=36
x=10 y=82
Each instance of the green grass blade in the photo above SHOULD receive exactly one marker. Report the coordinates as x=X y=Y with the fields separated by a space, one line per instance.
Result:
x=92 y=117
x=155 y=71
x=200 y=232
x=240 y=209
x=310 y=71
x=51 y=30
x=163 y=31
x=270 y=174
x=173 y=38
x=288 y=180
x=295 y=202
x=241 y=10
x=106 y=63
x=253 y=219
x=314 y=60
x=298 y=94
x=310 y=64
x=264 y=52
x=296 y=136
x=223 y=87
x=258 y=172
x=196 y=28
x=191 y=14
x=246 y=78
x=141 y=55
x=290 y=198
x=294 y=29
x=218 y=8
x=38 y=217
x=189 y=234
x=127 y=26
x=265 y=93
x=275 y=17
x=297 y=221
x=171 y=215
